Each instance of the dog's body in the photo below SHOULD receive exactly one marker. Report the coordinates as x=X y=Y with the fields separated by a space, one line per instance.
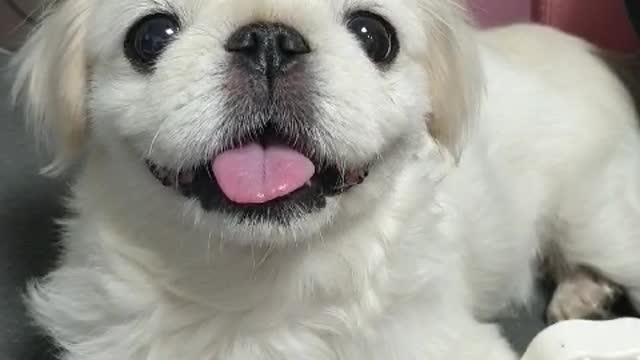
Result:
x=443 y=234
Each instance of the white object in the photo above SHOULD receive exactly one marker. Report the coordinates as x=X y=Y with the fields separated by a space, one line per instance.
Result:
x=588 y=340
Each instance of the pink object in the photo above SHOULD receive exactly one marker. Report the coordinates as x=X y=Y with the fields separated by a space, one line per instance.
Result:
x=603 y=22
x=254 y=174
x=489 y=13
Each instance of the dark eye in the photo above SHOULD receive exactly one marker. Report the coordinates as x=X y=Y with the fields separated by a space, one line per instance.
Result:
x=147 y=39
x=377 y=36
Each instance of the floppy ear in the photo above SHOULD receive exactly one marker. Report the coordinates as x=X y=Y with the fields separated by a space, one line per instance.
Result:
x=51 y=80
x=456 y=78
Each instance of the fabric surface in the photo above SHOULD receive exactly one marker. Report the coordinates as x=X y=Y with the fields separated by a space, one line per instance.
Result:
x=604 y=22
x=500 y=12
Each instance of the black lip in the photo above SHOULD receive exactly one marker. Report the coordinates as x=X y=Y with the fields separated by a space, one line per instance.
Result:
x=270 y=126
x=200 y=184
x=309 y=198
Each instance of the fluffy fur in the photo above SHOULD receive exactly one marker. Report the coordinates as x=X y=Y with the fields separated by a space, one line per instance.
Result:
x=529 y=139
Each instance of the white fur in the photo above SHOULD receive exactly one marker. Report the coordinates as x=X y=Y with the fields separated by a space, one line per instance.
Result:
x=533 y=140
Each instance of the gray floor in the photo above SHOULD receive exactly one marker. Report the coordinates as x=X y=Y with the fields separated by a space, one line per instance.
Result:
x=28 y=205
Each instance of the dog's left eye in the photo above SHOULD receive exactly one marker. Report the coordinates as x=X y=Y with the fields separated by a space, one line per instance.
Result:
x=377 y=37
x=148 y=38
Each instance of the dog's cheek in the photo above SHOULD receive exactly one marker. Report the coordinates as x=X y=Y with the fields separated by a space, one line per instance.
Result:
x=354 y=104
x=167 y=115
x=408 y=88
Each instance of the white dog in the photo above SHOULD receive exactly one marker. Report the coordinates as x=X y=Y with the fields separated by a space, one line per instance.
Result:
x=321 y=179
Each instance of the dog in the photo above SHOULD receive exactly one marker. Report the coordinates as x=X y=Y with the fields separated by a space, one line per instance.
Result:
x=345 y=179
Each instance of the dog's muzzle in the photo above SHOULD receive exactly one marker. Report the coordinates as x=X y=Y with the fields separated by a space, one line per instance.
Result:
x=268 y=50
x=269 y=167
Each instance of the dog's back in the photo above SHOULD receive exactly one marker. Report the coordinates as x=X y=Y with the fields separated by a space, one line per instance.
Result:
x=560 y=59
x=562 y=117
x=543 y=49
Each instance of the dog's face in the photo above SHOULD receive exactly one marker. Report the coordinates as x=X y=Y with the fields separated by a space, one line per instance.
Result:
x=267 y=119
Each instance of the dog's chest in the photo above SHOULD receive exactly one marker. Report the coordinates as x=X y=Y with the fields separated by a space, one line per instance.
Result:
x=166 y=331
x=229 y=338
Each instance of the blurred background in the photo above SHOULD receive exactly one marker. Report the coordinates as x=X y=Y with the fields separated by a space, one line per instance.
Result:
x=15 y=20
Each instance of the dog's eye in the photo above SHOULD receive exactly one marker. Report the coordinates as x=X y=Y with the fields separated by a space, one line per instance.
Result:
x=147 y=39
x=377 y=36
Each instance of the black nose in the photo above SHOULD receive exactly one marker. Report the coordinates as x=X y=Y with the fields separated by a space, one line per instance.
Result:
x=268 y=48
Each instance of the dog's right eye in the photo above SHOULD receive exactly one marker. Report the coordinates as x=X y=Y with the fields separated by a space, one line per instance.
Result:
x=147 y=39
x=377 y=37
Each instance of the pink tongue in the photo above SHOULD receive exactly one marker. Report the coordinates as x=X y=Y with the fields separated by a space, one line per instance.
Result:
x=254 y=174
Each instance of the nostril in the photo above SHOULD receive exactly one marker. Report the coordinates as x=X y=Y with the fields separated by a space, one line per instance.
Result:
x=265 y=36
x=293 y=43
x=270 y=49
x=242 y=41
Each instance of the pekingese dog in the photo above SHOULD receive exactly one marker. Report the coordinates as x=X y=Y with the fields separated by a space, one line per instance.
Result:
x=324 y=179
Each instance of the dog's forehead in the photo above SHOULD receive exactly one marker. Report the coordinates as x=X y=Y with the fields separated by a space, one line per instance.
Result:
x=239 y=11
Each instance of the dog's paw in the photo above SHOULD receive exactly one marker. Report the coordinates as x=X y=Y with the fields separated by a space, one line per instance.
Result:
x=583 y=295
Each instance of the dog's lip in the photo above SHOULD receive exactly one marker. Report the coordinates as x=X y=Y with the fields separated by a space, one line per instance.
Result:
x=183 y=180
x=329 y=180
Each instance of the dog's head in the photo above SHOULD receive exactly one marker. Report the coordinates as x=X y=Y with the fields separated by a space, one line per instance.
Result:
x=266 y=118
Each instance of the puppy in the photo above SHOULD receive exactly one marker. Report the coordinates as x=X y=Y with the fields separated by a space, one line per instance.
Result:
x=319 y=180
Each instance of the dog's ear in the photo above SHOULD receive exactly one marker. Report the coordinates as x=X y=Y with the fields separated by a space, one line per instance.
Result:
x=51 y=80
x=456 y=78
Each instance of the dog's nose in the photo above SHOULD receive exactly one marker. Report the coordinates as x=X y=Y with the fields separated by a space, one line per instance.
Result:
x=268 y=48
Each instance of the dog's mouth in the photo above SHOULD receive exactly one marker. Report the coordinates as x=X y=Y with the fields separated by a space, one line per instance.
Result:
x=265 y=179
